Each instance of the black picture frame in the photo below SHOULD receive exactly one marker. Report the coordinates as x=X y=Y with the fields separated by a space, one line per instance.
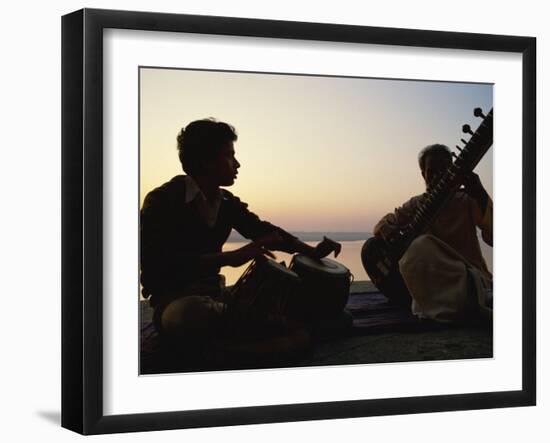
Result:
x=82 y=218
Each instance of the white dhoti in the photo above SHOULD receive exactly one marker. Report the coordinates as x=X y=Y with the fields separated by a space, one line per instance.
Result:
x=443 y=285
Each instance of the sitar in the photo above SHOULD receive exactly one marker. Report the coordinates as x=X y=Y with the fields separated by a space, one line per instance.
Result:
x=382 y=258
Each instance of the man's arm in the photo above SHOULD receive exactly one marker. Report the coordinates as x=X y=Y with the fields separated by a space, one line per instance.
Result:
x=236 y=258
x=295 y=245
x=386 y=226
x=248 y=224
x=393 y=221
x=482 y=206
x=269 y=236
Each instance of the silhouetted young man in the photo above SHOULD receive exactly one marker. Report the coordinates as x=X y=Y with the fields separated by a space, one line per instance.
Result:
x=184 y=225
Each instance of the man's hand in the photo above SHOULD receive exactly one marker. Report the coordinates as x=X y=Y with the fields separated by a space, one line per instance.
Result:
x=474 y=188
x=251 y=251
x=271 y=240
x=327 y=246
x=387 y=231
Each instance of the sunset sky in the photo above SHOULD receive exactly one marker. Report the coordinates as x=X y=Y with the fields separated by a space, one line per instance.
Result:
x=316 y=153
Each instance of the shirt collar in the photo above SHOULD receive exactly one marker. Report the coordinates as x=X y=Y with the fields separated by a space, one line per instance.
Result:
x=192 y=190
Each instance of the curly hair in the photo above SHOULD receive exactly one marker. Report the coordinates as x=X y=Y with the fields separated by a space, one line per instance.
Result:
x=437 y=149
x=200 y=141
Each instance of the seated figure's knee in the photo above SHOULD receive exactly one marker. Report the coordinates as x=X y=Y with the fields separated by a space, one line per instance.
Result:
x=419 y=246
x=420 y=242
x=192 y=316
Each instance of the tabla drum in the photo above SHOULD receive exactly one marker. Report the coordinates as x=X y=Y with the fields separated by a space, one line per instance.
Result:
x=263 y=296
x=324 y=288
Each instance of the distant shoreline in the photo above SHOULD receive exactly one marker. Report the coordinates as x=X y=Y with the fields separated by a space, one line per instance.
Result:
x=314 y=236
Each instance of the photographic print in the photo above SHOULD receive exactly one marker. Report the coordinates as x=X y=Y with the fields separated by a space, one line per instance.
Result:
x=271 y=221
x=301 y=220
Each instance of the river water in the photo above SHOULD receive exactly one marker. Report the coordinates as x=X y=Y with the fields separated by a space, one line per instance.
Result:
x=350 y=256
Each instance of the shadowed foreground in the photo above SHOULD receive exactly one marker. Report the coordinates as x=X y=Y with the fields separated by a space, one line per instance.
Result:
x=372 y=332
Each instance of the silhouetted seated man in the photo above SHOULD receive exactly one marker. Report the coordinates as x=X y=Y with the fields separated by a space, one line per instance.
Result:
x=184 y=225
x=444 y=270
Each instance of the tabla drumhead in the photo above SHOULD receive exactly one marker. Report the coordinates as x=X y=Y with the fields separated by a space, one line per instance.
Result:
x=325 y=265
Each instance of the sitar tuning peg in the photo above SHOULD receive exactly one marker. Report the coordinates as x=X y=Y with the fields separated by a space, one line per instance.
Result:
x=478 y=112
x=467 y=130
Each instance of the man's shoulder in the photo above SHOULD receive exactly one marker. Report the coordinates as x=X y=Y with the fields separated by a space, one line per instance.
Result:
x=228 y=196
x=174 y=188
x=233 y=202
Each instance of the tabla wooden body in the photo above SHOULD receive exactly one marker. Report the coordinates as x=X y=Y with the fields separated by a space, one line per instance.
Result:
x=324 y=289
x=263 y=295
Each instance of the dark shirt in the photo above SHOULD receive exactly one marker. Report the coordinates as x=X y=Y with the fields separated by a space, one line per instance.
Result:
x=174 y=236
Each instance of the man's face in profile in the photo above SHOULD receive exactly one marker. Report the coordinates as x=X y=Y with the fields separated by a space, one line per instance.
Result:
x=224 y=167
x=435 y=166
